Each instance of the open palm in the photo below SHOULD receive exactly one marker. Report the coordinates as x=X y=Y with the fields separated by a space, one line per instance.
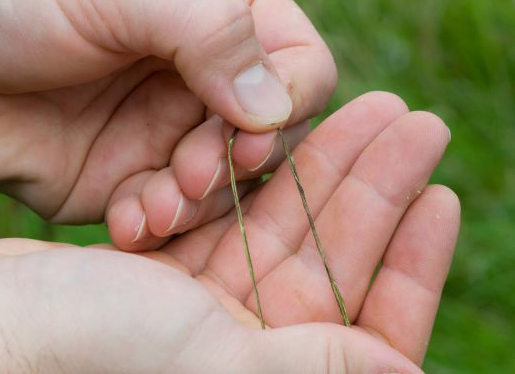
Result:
x=365 y=171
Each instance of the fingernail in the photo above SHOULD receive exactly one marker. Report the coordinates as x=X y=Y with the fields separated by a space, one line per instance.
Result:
x=262 y=96
x=184 y=213
x=272 y=146
x=140 y=230
x=217 y=177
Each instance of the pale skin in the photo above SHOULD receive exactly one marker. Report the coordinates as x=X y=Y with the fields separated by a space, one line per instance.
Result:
x=96 y=99
x=365 y=171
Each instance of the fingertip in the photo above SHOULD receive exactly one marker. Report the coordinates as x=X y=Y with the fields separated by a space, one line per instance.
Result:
x=311 y=77
x=126 y=222
x=446 y=197
x=166 y=209
x=218 y=178
x=445 y=207
x=264 y=152
x=141 y=229
x=184 y=213
x=386 y=100
x=223 y=63
x=252 y=150
x=366 y=111
x=197 y=158
x=432 y=126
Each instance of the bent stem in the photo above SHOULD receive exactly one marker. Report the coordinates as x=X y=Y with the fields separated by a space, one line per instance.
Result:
x=242 y=229
x=334 y=286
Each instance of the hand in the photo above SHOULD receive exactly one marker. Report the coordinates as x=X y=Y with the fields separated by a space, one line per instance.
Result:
x=99 y=100
x=364 y=170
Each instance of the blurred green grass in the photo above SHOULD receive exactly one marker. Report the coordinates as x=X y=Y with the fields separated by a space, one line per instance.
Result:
x=457 y=59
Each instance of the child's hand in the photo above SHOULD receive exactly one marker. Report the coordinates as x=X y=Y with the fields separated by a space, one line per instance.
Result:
x=365 y=171
x=90 y=121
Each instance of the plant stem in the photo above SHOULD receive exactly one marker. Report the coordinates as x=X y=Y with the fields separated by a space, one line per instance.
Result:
x=334 y=285
x=242 y=230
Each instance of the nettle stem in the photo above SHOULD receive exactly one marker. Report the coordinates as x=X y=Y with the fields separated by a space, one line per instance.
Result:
x=320 y=248
x=242 y=230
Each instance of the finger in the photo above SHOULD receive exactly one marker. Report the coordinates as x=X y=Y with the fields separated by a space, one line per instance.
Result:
x=200 y=159
x=357 y=223
x=168 y=211
x=204 y=239
x=264 y=152
x=96 y=104
x=213 y=46
x=251 y=151
x=299 y=55
x=301 y=58
x=274 y=225
x=148 y=208
x=126 y=217
x=402 y=302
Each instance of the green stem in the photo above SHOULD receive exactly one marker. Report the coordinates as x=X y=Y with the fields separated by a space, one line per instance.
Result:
x=242 y=230
x=334 y=285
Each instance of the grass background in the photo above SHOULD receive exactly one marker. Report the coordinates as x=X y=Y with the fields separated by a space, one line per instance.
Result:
x=457 y=59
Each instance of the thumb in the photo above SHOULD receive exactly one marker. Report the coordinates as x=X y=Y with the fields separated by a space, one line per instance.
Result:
x=212 y=44
x=214 y=47
x=329 y=348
